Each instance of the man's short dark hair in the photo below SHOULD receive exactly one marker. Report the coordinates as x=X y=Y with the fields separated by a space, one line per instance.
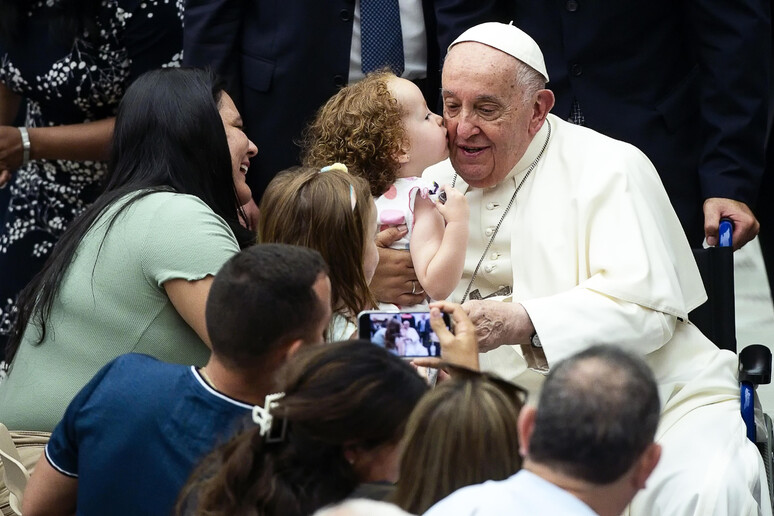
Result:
x=261 y=298
x=598 y=412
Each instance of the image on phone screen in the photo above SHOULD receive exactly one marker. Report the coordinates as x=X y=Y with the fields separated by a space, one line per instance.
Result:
x=406 y=334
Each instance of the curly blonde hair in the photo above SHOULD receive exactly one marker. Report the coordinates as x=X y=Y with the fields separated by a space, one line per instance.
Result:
x=361 y=126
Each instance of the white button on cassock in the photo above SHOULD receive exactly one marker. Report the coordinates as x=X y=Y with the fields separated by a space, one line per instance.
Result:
x=489 y=231
x=492 y=205
x=494 y=256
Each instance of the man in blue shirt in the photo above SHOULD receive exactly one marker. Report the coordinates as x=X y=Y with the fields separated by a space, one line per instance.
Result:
x=131 y=437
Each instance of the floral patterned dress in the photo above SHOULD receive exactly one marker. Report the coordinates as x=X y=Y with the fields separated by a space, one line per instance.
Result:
x=71 y=83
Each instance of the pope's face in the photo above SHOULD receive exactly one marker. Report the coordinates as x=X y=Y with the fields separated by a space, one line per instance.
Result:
x=485 y=113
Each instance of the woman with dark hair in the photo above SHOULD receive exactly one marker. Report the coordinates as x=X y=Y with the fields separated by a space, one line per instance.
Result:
x=64 y=66
x=133 y=271
x=337 y=425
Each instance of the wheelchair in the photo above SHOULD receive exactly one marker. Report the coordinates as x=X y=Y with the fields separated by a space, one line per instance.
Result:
x=716 y=319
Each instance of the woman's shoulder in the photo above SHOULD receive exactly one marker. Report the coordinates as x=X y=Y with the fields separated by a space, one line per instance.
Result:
x=172 y=201
x=177 y=212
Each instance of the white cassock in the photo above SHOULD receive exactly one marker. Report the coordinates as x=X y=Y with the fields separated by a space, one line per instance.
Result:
x=596 y=255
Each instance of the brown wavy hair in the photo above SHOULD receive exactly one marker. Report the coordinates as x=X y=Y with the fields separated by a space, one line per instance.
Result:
x=302 y=206
x=361 y=126
x=348 y=394
x=464 y=432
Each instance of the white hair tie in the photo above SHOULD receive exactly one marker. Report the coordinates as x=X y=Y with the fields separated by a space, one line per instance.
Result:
x=263 y=417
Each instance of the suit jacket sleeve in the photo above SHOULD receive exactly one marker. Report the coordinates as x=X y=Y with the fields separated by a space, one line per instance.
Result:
x=213 y=30
x=733 y=45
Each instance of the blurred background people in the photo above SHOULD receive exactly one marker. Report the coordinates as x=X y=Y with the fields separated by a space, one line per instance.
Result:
x=64 y=66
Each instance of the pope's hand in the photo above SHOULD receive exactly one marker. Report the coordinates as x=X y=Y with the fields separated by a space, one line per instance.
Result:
x=746 y=226
x=395 y=279
x=498 y=323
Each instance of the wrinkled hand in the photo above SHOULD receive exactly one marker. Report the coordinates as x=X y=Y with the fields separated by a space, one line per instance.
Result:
x=746 y=226
x=394 y=278
x=458 y=348
x=11 y=149
x=498 y=323
x=455 y=209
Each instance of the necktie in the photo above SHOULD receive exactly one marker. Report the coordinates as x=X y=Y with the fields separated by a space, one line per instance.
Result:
x=380 y=35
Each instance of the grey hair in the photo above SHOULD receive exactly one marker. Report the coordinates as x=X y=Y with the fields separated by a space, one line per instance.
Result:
x=529 y=81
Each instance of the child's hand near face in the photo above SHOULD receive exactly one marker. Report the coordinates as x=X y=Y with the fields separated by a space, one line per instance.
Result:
x=455 y=209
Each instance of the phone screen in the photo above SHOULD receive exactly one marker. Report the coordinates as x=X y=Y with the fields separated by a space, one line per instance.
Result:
x=406 y=334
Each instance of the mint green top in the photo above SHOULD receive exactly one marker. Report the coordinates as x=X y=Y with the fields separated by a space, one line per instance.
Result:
x=116 y=304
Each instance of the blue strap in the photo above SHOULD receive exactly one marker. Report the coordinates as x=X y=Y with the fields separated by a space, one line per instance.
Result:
x=748 y=408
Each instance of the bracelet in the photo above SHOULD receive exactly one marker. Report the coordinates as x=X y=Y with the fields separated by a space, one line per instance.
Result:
x=25 y=136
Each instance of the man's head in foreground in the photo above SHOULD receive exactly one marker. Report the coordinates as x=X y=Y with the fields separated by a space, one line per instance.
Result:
x=592 y=432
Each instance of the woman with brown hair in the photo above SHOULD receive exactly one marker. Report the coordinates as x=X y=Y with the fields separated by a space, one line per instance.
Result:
x=463 y=432
x=337 y=424
x=331 y=211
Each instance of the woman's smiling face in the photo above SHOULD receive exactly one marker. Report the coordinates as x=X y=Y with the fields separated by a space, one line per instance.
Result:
x=240 y=146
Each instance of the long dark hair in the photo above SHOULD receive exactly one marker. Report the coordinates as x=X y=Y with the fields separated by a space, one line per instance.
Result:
x=344 y=394
x=168 y=136
x=70 y=19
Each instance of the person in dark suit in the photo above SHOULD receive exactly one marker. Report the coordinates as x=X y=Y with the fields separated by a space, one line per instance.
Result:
x=283 y=60
x=686 y=82
x=765 y=208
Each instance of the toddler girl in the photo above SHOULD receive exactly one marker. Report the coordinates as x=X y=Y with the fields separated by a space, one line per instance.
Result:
x=333 y=212
x=383 y=131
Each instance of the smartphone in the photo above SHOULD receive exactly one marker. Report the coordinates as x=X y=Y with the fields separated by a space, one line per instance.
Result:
x=406 y=334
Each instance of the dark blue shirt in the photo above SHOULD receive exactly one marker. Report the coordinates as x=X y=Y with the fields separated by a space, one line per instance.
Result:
x=135 y=432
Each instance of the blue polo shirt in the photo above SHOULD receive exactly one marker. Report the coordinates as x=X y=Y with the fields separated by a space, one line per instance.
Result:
x=135 y=432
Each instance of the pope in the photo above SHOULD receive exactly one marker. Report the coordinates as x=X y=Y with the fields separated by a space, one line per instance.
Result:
x=573 y=243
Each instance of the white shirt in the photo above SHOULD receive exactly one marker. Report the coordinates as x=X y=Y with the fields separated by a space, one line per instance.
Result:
x=523 y=494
